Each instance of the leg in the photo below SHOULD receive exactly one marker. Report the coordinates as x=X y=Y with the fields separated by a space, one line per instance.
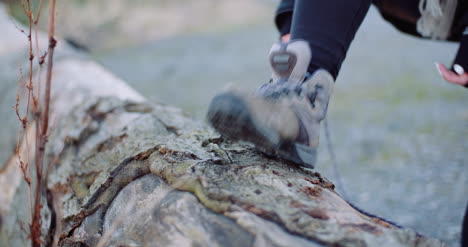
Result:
x=283 y=117
x=329 y=27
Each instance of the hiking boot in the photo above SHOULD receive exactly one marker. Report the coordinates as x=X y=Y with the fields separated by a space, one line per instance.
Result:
x=283 y=117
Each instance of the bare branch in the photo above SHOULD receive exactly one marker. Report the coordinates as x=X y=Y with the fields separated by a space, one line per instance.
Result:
x=42 y=133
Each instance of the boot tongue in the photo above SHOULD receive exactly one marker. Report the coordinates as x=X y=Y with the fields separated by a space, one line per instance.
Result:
x=289 y=61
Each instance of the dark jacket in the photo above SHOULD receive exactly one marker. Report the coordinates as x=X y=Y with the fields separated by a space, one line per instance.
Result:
x=403 y=14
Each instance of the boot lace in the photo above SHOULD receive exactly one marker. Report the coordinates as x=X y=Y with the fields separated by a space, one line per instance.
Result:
x=275 y=90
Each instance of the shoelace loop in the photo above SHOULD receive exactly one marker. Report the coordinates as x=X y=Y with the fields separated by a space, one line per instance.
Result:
x=283 y=88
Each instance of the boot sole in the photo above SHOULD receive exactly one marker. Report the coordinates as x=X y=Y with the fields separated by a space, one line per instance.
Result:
x=228 y=114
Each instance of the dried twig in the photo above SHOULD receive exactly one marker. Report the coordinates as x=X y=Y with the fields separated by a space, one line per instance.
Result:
x=43 y=125
x=25 y=163
x=33 y=105
x=41 y=59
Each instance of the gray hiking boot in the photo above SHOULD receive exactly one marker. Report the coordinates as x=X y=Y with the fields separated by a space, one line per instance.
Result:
x=283 y=117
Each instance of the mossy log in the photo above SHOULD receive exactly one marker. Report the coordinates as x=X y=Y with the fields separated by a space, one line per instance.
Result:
x=135 y=173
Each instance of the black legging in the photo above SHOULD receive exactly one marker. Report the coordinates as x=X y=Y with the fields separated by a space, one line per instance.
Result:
x=329 y=26
x=328 y=29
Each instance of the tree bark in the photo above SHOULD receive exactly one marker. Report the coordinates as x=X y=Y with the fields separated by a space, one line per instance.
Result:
x=135 y=173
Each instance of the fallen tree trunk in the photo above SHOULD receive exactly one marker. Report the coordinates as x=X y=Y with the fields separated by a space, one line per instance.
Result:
x=133 y=173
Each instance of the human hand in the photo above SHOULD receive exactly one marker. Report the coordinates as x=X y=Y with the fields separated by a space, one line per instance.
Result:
x=460 y=77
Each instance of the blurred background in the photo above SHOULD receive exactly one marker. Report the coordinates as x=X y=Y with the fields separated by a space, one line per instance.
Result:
x=400 y=133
